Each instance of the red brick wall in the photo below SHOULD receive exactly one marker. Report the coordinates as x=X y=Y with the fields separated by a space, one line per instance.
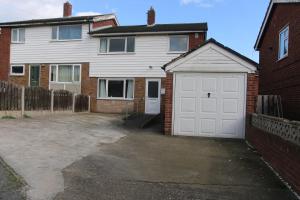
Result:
x=5 y=38
x=282 y=155
x=168 y=104
x=194 y=41
x=282 y=77
x=252 y=92
x=110 y=22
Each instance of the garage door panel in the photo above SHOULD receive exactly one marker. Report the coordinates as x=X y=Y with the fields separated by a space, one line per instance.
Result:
x=210 y=104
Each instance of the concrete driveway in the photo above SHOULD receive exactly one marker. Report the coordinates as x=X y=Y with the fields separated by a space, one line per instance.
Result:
x=145 y=165
x=86 y=157
x=39 y=149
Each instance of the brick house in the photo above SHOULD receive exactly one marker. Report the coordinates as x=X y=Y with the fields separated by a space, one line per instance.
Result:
x=278 y=44
x=118 y=66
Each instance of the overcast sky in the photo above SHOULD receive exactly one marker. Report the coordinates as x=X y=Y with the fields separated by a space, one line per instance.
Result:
x=235 y=23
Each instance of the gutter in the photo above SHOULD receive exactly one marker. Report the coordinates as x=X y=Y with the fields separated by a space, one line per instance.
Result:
x=144 y=33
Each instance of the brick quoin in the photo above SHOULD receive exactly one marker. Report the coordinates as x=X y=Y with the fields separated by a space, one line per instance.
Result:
x=5 y=38
x=282 y=77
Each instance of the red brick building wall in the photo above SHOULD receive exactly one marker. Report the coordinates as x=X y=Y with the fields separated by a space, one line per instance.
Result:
x=195 y=39
x=282 y=155
x=110 y=22
x=5 y=38
x=282 y=77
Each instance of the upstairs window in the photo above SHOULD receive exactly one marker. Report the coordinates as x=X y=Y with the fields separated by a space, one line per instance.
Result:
x=18 y=35
x=67 y=32
x=178 y=43
x=283 y=43
x=117 y=45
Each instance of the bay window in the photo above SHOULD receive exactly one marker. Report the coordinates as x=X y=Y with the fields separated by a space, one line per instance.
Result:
x=67 y=32
x=115 y=88
x=65 y=73
x=117 y=45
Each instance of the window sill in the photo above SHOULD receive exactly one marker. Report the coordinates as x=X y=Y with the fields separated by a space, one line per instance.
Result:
x=118 y=53
x=176 y=52
x=283 y=58
x=67 y=83
x=17 y=74
x=72 y=40
x=115 y=99
x=17 y=42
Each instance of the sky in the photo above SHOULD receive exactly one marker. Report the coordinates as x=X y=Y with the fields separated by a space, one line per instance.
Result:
x=234 y=23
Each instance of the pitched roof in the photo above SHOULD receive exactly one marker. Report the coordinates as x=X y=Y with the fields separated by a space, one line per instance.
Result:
x=49 y=21
x=267 y=16
x=213 y=41
x=121 y=30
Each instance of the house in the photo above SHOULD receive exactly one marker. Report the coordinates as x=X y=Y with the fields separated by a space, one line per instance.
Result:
x=118 y=66
x=209 y=91
x=278 y=44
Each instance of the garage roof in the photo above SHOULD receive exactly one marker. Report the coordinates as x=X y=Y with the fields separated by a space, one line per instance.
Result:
x=225 y=54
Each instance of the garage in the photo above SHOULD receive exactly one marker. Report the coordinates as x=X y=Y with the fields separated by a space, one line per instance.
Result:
x=208 y=93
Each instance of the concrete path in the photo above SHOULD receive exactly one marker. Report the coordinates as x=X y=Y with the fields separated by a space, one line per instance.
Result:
x=149 y=166
x=39 y=149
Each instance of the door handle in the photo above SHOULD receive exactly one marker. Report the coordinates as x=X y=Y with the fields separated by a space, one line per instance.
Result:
x=208 y=95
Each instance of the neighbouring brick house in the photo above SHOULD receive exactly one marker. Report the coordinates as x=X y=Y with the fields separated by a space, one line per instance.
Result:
x=118 y=66
x=278 y=44
x=278 y=139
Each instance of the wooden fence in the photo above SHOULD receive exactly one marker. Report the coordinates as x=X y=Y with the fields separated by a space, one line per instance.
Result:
x=269 y=105
x=14 y=98
x=10 y=97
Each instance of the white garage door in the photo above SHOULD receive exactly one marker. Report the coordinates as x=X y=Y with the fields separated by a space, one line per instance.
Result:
x=210 y=104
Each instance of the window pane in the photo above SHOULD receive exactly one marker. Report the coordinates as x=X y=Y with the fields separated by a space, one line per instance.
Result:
x=102 y=88
x=129 y=89
x=53 y=73
x=130 y=44
x=153 y=89
x=22 y=35
x=115 y=88
x=15 y=35
x=17 y=69
x=117 y=45
x=54 y=33
x=76 y=73
x=65 y=73
x=103 y=45
x=283 y=43
x=286 y=45
x=70 y=32
x=178 y=43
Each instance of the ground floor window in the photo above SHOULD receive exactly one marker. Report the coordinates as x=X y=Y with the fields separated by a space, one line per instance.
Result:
x=17 y=70
x=65 y=73
x=115 y=88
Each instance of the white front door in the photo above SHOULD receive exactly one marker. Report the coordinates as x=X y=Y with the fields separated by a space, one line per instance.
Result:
x=152 y=96
x=210 y=104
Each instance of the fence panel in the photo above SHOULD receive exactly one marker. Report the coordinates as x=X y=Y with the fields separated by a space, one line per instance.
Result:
x=10 y=97
x=81 y=103
x=269 y=105
x=63 y=100
x=37 y=98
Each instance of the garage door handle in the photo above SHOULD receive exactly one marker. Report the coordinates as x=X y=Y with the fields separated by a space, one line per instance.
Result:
x=208 y=95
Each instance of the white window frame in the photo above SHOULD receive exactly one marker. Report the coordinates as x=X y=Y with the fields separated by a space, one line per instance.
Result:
x=57 y=34
x=18 y=36
x=187 y=45
x=17 y=74
x=118 y=52
x=124 y=88
x=56 y=78
x=282 y=31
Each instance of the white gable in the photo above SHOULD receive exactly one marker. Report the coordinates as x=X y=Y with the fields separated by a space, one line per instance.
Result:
x=211 y=58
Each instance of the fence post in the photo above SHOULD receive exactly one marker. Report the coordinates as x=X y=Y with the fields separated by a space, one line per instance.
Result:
x=89 y=107
x=52 y=101
x=23 y=102
x=74 y=102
